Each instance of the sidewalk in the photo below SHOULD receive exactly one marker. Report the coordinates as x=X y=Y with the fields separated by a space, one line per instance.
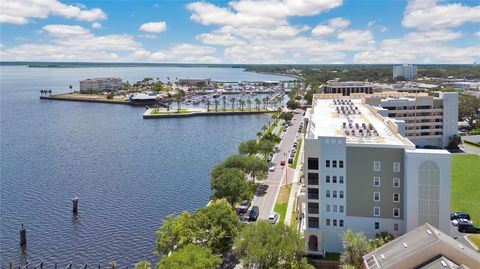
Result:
x=294 y=190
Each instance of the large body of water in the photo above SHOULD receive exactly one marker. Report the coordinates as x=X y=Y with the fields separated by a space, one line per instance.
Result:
x=129 y=173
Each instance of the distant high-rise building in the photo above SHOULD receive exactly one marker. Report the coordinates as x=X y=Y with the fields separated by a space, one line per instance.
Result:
x=407 y=71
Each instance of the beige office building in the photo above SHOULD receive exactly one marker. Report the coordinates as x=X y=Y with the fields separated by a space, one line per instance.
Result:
x=362 y=174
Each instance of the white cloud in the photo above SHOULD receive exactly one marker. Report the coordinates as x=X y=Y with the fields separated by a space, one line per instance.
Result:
x=477 y=34
x=427 y=14
x=321 y=30
x=338 y=23
x=219 y=39
x=21 y=11
x=154 y=27
x=148 y=36
x=96 y=25
x=420 y=47
x=181 y=53
x=73 y=43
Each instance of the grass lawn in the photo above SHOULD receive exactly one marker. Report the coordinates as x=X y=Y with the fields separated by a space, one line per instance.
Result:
x=282 y=201
x=172 y=111
x=280 y=130
x=466 y=185
x=295 y=160
x=475 y=239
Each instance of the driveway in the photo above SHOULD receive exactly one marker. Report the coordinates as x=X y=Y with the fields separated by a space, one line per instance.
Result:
x=267 y=193
x=460 y=237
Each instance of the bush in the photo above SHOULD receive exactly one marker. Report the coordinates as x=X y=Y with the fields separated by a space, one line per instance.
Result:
x=110 y=95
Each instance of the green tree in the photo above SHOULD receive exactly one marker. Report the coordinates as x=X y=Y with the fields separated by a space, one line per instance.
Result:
x=219 y=224
x=355 y=246
x=232 y=100
x=216 y=102
x=179 y=98
x=224 y=102
x=232 y=185
x=257 y=168
x=263 y=245
x=265 y=147
x=291 y=104
x=190 y=257
x=248 y=147
x=257 y=103
x=158 y=86
x=176 y=232
x=208 y=105
x=143 y=265
x=454 y=141
x=468 y=108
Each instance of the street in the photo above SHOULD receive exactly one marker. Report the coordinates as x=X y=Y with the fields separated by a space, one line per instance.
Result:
x=266 y=195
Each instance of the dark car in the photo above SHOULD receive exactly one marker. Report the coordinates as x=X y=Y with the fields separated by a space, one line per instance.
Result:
x=290 y=160
x=459 y=215
x=468 y=228
x=270 y=158
x=254 y=213
x=244 y=206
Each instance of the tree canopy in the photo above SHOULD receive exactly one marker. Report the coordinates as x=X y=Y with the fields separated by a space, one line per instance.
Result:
x=468 y=109
x=232 y=185
x=263 y=245
x=248 y=147
x=190 y=257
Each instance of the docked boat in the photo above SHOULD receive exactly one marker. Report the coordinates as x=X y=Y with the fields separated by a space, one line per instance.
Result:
x=142 y=99
x=216 y=95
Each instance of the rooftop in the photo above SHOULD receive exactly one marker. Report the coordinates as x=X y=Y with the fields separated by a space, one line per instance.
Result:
x=423 y=247
x=358 y=122
x=100 y=79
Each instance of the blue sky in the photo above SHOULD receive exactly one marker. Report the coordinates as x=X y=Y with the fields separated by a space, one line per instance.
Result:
x=241 y=31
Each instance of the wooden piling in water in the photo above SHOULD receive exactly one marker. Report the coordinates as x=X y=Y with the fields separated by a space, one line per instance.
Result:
x=75 y=205
x=23 y=236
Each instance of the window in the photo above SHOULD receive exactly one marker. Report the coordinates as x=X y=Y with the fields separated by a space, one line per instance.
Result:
x=341 y=194
x=334 y=208
x=377 y=225
x=376 y=181
x=334 y=164
x=340 y=223
x=334 y=222
x=340 y=179
x=396 y=212
x=396 y=183
x=327 y=163
x=327 y=193
x=396 y=197
x=334 y=179
x=313 y=222
x=327 y=222
x=312 y=208
x=340 y=209
x=327 y=179
x=327 y=208
x=376 y=166
x=312 y=178
x=313 y=163
x=334 y=195
x=396 y=166
x=376 y=196
x=395 y=227
x=312 y=193
x=340 y=164
x=376 y=211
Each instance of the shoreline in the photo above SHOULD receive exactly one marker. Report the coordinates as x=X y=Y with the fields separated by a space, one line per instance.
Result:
x=147 y=114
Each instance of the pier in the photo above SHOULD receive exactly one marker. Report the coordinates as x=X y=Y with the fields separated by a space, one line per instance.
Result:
x=150 y=114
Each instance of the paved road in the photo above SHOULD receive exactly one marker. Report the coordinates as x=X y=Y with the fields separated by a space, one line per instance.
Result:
x=467 y=149
x=267 y=194
x=460 y=237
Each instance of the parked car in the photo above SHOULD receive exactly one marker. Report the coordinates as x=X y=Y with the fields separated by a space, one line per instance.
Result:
x=292 y=154
x=244 y=206
x=282 y=163
x=455 y=222
x=294 y=150
x=468 y=228
x=270 y=158
x=273 y=218
x=459 y=215
x=294 y=146
x=290 y=160
x=271 y=168
x=254 y=213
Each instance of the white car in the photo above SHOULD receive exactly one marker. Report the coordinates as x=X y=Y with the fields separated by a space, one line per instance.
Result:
x=271 y=169
x=455 y=222
x=273 y=218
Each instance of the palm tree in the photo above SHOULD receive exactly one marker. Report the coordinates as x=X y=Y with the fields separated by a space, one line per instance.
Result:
x=266 y=101
x=216 y=102
x=208 y=105
x=224 y=100
x=179 y=99
x=242 y=104
x=257 y=103
x=259 y=134
x=70 y=86
x=249 y=102
x=264 y=128
x=232 y=100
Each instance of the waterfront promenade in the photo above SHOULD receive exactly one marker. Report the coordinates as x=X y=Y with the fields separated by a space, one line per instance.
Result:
x=150 y=114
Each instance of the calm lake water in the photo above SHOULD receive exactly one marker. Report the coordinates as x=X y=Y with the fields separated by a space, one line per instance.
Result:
x=129 y=173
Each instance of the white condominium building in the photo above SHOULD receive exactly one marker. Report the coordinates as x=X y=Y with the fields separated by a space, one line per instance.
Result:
x=346 y=88
x=362 y=174
x=429 y=121
x=98 y=85
x=407 y=71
